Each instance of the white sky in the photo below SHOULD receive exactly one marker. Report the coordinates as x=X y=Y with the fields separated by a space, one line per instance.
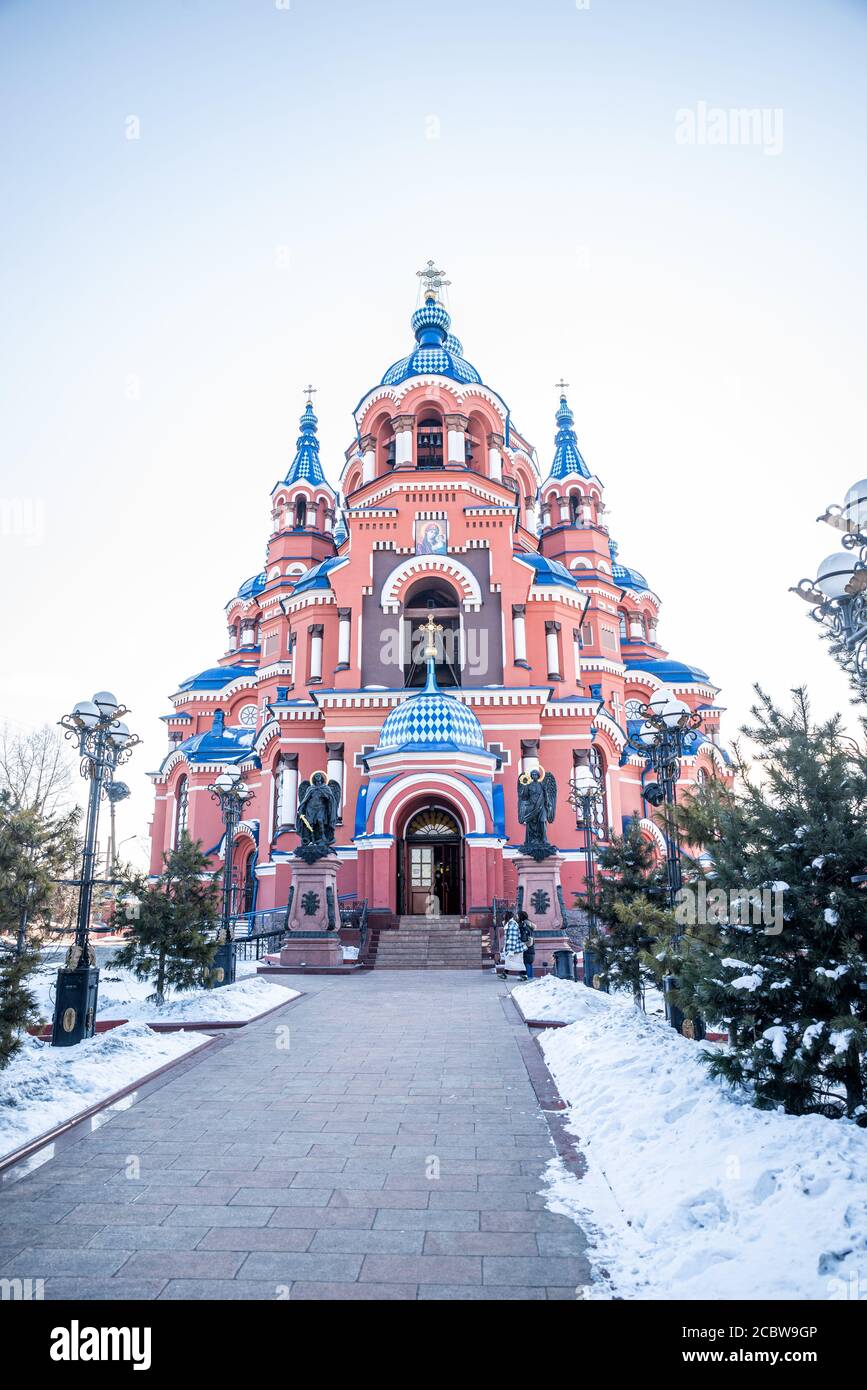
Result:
x=705 y=302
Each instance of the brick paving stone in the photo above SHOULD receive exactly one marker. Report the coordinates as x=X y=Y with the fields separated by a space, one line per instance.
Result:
x=305 y=1174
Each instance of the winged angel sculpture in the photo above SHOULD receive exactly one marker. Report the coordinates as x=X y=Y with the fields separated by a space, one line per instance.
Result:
x=537 y=802
x=317 y=816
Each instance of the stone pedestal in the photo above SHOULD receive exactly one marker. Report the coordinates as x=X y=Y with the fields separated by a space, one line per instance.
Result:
x=314 y=918
x=539 y=896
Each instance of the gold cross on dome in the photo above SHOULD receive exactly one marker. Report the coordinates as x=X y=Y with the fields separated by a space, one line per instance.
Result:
x=431 y=628
x=560 y=385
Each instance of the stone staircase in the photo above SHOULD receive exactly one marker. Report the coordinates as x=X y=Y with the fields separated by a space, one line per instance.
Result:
x=430 y=943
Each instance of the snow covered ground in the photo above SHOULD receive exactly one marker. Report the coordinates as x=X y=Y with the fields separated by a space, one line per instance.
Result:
x=690 y=1192
x=121 y=995
x=43 y=1086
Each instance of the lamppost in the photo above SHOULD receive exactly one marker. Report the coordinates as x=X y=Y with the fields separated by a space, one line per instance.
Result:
x=232 y=794
x=584 y=794
x=837 y=594
x=104 y=743
x=667 y=721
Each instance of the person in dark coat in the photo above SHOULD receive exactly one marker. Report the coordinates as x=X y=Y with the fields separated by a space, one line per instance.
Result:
x=525 y=927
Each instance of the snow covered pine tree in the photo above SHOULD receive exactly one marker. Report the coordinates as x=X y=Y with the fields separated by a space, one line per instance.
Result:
x=792 y=985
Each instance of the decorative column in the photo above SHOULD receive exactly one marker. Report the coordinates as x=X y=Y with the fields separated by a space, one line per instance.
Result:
x=287 y=790
x=635 y=628
x=564 y=509
x=529 y=755
x=576 y=651
x=552 y=648
x=344 y=637
x=495 y=458
x=368 y=458
x=314 y=634
x=334 y=766
x=546 y=514
x=530 y=508
x=456 y=426
x=403 y=436
x=519 y=633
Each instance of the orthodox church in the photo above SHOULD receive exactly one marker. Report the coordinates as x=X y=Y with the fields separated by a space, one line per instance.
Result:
x=442 y=534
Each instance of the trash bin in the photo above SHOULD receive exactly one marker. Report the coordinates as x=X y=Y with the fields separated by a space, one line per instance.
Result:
x=563 y=965
x=592 y=967
x=75 y=1005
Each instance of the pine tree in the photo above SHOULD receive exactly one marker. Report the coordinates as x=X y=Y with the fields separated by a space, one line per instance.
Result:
x=36 y=849
x=17 y=1005
x=785 y=965
x=627 y=905
x=168 y=922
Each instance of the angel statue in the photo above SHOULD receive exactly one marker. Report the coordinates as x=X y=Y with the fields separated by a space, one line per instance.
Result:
x=537 y=802
x=318 y=810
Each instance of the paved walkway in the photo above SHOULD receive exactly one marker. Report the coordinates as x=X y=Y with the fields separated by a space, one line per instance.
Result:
x=388 y=1145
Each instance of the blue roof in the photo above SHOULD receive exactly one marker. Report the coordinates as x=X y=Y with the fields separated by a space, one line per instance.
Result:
x=317 y=577
x=547 y=571
x=253 y=586
x=219 y=744
x=216 y=677
x=306 y=466
x=437 y=352
x=431 y=721
x=672 y=672
x=567 y=462
x=628 y=578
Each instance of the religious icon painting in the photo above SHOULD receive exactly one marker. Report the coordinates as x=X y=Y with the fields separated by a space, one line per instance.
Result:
x=431 y=537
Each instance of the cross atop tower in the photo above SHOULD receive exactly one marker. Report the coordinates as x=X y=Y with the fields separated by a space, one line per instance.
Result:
x=433 y=280
x=431 y=629
x=310 y=392
x=561 y=386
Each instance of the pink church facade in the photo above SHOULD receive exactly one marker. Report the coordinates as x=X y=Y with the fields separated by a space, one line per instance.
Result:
x=547 y=645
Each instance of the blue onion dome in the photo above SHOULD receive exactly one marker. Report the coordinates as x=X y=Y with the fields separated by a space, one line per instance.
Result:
x=437 y=351
x=567 y=461
x=430 y=324
x=306 y=466
x=431 y=722
x=628 y=578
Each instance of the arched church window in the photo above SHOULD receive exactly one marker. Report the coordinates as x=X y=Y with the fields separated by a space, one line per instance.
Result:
x=624 y=633
x=300 y=513
x=574 y=509
x=182 y=809
x=429 y=443
x=600 y=805
x=423 y=602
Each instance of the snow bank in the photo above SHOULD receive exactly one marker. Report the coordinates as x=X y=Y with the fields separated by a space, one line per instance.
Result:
x=551 y=999
x=121 y=995
x=690 y=1192
x=43 y=1085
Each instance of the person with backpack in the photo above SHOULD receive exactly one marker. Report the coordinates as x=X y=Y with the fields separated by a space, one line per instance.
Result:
x=528 y=940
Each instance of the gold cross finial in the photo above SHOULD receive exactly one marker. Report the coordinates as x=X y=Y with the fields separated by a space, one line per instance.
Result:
x=561 y=385
x=431 y=629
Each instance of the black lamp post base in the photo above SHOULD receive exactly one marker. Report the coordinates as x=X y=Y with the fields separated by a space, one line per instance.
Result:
x=75 y=1006
x=222 y=968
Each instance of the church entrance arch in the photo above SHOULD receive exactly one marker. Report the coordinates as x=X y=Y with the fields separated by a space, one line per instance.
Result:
x=431 y=862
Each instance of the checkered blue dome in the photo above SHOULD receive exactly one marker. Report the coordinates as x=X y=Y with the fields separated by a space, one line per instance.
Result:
x=431 y=722
x=437 y=353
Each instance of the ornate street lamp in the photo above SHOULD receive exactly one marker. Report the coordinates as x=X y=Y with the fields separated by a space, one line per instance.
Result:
x=232 y=794
x=837 y=594
x=667 y=721
x=104 y=743
x=585 y=792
